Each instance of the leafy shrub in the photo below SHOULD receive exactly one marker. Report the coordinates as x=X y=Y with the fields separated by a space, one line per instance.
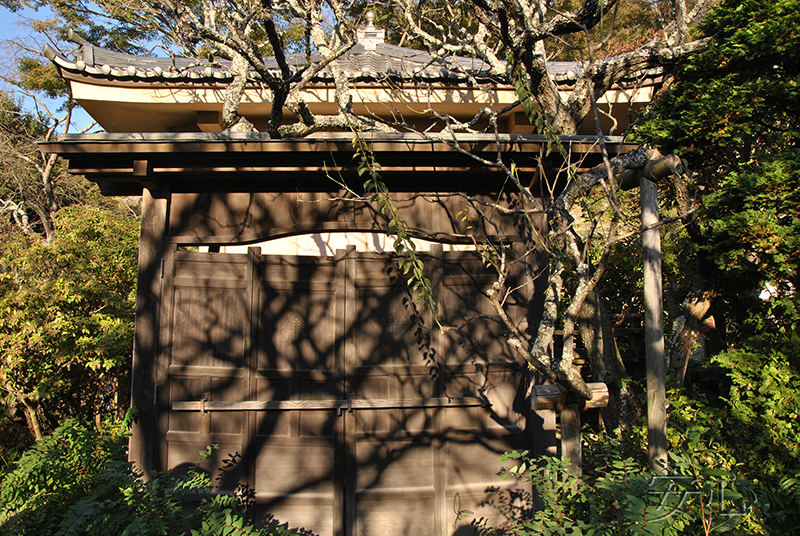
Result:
x=734 y=459
x=620 y=495
x=14 y=440
x=77 y=482
x=66 y=318
x=755 y=425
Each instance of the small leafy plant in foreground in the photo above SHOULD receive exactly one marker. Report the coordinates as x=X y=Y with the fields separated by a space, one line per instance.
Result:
x=621 y=496
x=77 y=482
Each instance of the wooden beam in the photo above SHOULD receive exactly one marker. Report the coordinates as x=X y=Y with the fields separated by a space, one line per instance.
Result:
x=209 y=121
x=554 y=397
x=143 y=172
x=519 y=124
x=254 y=161
x=311 y=405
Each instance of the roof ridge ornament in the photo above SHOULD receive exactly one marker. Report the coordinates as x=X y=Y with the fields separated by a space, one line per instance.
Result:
x=370 y=35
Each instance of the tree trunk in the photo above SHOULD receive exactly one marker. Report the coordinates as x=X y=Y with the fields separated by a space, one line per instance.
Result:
x=33 y=419
x=597 y=335
x=47 y=183
x=571 y=439
x=231 y=120
x=689 y=326
x=689 y=323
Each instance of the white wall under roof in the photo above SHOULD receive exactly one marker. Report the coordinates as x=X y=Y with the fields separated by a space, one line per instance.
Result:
x=326 y=244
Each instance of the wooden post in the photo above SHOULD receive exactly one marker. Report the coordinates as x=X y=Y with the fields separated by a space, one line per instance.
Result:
x=571 y=438
x=141 y=449
x=653 y=328
x=554 y=397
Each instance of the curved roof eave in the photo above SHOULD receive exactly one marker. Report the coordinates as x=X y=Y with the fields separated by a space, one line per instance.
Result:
x=383 y=62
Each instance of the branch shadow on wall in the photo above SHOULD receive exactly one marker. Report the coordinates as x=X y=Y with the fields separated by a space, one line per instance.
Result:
x=307 y=331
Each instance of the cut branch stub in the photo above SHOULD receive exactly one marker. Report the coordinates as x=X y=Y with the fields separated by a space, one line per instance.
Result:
x=654 y=170
x=555 y=397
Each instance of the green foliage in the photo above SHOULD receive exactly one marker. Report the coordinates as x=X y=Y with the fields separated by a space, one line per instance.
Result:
x=752 y=427
x=27 y=206
x=77 y=482
x=619 y=495
x=733 y=114
x=755 y=424
x=751 y=222
x=40 y=75
x=15 y=439
x=57 y=472
x=765 y=398
x=734 y=462
x=66 y=316
x=699 y=493
x=740 y=96
x=35 y=308
x=409 y=262
x=112 y=25
x=753 y=227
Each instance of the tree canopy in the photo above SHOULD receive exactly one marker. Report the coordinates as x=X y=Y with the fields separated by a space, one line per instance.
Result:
x=733 y=114
x=66 y=317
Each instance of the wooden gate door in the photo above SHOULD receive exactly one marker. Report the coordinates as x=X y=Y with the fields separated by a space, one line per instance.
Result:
x=334 y=397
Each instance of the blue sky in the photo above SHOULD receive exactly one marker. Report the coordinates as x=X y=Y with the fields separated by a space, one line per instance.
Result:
x=12 y=26
x=8 y=28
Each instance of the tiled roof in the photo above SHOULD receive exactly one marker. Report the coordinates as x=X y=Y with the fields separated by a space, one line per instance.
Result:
x=363 y=62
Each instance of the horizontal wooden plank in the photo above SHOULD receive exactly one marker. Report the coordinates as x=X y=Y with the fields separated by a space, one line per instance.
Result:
x=420 y=493
x=270 y=405
x=210 y=258
x=478 y=277
x=311 y=405
x=479 y=489
x=296 y=498
x=319 y=374
x=213 y=372
x=269 y=439
x=399 y=370
x=209 y=283
x=554 y=397
x=467 y=435
x=400 y=403
x=205 y=439
x=289 y=285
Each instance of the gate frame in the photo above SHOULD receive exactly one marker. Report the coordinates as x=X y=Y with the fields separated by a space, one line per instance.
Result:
x=183 y=187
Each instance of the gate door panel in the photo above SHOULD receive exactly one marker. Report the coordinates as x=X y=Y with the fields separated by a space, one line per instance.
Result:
x=205 y=347
x=297 y=451
x=478 y=362
x=391 y=357
x=335 y=397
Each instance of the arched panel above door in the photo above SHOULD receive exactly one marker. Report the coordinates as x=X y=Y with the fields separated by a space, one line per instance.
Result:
x=247 y=218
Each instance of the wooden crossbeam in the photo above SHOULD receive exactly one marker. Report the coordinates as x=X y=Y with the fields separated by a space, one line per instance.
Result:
x=337 y=404
x=554 y=397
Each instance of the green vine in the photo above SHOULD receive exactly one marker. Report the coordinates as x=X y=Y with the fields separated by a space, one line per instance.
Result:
x=409 y=262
